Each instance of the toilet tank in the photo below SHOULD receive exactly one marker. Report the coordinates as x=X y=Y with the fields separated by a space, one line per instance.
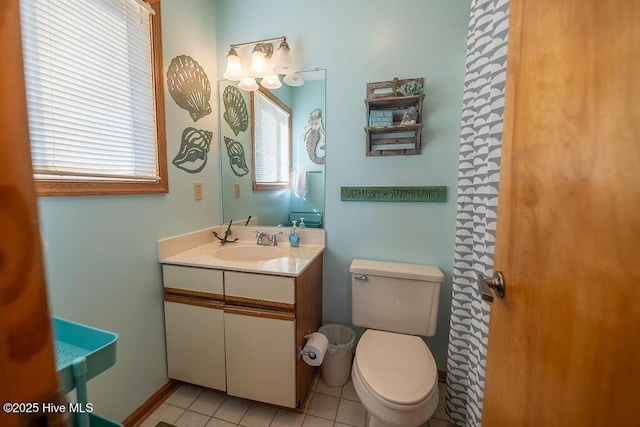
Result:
x=395 y=297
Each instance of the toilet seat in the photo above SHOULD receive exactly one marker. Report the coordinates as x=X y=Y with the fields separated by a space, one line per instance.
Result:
x=398 y=369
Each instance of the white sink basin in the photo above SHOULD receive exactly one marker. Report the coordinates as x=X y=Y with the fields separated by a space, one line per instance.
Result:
x=249 y=253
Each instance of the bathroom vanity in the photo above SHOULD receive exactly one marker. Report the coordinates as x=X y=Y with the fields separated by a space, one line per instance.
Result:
x=236 y=315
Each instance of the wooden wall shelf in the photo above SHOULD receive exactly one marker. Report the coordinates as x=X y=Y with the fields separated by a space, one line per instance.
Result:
x=390 y=137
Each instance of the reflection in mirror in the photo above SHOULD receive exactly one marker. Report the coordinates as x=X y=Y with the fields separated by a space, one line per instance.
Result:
x=304 y=196
x=270 y=141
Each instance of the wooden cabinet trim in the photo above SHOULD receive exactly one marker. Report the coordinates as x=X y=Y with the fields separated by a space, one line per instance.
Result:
x=181 y=299
x=193 y=294
x=259 y=303
x=256 y=312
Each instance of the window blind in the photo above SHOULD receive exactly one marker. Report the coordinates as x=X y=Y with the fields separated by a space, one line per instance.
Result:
x=271 y=142
x=90 y=89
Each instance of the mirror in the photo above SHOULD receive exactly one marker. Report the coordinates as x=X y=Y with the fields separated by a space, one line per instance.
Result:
x=304 y=197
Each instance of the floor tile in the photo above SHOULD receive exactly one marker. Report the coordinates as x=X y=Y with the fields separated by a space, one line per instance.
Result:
x=352 y=413
x=192 y=419
x=349 y=392
x=324 y=388
x=232 y=409
x=323 y=406
x=287 y=419
x=311 y=421
x=258 y=415
x=165 y=412
x=208 y=402
x=184 y=395
x=440 y=413
x=214 y=422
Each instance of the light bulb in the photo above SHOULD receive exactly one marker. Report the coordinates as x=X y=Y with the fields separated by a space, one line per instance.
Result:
x=258 y=63
x=248 y=83
x=293 y=79
x=271 y=82
x=234 y=68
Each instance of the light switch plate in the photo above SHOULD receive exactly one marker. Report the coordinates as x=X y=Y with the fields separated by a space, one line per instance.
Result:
x=197 y=190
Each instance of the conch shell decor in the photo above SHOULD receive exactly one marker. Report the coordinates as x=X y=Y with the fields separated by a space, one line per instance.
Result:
x=235 y=110
x=236 y=157
x=189 y=86
x=194 y=148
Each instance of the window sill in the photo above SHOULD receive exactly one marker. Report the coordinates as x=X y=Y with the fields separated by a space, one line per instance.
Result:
x=81 y=188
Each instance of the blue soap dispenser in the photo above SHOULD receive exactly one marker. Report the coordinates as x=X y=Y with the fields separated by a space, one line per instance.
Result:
x=294 y=239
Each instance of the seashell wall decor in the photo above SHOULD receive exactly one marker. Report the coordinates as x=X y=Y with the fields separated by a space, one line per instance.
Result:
x=189 y=86
x=236 y=157
x=235 y=110
x=194 y=148
x=314 y=137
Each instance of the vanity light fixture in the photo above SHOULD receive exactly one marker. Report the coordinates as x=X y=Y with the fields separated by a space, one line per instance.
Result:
x=234 y=68
x=271 y=81
x=265 y=64
x=248 y=83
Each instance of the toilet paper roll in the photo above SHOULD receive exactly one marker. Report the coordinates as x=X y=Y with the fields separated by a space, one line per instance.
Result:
x=315 y=349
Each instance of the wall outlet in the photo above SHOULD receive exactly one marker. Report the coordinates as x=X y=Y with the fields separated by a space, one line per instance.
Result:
x=236 y=189
x=197 y=190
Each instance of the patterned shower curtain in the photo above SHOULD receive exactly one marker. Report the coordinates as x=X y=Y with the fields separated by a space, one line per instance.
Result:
x=478 y=176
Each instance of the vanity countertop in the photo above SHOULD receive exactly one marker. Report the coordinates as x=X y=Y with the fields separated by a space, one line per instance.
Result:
x=198 y=249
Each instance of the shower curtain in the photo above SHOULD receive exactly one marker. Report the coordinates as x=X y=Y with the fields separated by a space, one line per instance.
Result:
x=478 y=176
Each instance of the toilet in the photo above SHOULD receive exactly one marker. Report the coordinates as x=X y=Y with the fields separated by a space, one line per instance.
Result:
x=394 y=373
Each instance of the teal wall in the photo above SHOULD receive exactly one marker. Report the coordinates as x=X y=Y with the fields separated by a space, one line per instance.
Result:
x=359 y=42
x=308 y=97
x=101 y=251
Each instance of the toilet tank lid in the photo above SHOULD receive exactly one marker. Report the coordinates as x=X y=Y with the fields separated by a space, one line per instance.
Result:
x=398 y=270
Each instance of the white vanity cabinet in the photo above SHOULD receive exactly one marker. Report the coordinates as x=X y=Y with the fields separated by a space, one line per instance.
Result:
x=261 y=357
x=194 y=325
x=259 y=322
x=241 y=331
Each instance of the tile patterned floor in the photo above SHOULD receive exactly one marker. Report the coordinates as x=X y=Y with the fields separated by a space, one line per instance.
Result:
x=193 y=406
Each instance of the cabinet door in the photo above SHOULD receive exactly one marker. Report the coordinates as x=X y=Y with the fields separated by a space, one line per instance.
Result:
x=195 y=342
x=261 y=355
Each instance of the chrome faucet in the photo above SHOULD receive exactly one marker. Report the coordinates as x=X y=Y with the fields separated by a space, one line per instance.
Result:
x=269 y=241
x=260 y=235
x=274 y=238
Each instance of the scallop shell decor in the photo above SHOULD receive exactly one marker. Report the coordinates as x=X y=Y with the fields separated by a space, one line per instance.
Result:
x=235 y=110
x=236 y=157
x=194 y=148
x=189 y=86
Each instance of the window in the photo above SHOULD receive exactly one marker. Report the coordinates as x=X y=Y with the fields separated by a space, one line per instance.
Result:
x=271 y=141
x=93 y=72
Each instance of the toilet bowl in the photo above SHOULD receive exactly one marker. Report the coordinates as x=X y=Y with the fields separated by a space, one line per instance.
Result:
x=394 y=373
x=396 y=379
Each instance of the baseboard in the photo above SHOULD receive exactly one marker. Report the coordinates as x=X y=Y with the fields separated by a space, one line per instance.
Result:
x=151 y=404
x=442 y=376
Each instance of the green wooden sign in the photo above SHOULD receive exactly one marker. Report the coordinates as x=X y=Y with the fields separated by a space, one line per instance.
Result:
x=393 y=194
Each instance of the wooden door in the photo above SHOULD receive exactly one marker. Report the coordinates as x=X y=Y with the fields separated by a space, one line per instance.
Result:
x=564 y=343
x=27 y=365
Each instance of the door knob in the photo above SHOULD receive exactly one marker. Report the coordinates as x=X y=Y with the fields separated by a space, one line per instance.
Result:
x=490 y=287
